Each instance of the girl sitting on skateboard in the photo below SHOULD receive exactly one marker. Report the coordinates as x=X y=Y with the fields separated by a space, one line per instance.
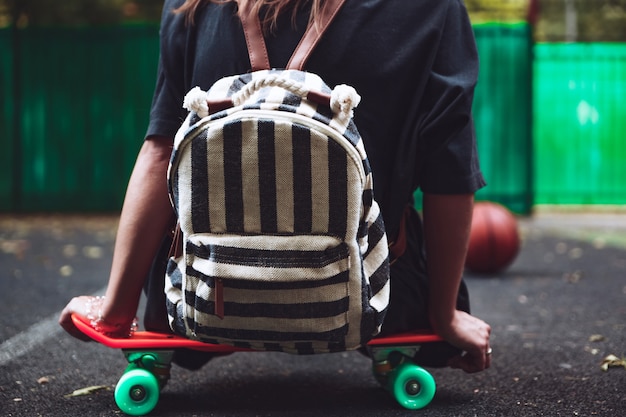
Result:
x=415 y=65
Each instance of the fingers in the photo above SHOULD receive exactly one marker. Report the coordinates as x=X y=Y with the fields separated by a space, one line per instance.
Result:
x=472 y=335
x=75 y=306
x=89 y=309
x=470 y=363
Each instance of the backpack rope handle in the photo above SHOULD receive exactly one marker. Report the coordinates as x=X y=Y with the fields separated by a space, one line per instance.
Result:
x=342 y=100
x=271 y=80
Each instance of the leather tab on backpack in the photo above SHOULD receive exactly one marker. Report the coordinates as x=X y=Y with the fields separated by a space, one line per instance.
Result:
x=176 y=248
x=319 y=98
x=219 y=298
x=216 y=106
x=398 y=246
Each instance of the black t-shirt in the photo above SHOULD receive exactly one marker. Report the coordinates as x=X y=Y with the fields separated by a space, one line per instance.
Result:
x=413 y=62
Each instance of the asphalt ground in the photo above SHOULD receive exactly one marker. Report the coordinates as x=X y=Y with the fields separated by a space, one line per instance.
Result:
x=556 y=314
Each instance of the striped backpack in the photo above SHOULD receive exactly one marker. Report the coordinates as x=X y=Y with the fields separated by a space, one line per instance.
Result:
x=283 y=245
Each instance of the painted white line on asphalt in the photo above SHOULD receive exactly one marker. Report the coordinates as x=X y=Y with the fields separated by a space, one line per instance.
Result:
x=31 y=338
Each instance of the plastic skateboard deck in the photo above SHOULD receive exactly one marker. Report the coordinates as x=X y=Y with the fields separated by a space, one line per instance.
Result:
x=150 y=354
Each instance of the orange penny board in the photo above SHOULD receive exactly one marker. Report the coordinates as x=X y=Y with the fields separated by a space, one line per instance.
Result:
x=154 y=340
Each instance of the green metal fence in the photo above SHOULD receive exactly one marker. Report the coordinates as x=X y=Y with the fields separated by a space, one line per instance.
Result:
x=580 y=123
x=76 y=101
x=82 y=98
x=503 y=113
x=7 y=132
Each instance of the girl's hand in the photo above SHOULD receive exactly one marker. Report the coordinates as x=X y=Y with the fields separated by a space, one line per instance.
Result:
x=471 y=335
x=79 y=306
x=90 y=308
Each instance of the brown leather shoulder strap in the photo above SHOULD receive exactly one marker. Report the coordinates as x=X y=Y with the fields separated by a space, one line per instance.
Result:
x=256 y=44
x=313 y=35
x=259 y=59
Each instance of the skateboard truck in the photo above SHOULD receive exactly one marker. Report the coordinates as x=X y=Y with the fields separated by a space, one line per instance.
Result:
x=392 y=364
x=157 y=362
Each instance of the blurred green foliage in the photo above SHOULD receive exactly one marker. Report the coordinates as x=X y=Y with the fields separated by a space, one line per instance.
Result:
x=581 y=21
x=553 y=20
x=43 y=13
x=483 y=11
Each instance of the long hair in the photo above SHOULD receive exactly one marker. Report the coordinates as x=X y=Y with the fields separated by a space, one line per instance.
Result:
x=272 y=9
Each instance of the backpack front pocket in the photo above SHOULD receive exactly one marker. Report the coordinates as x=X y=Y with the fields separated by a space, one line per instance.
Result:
x=267 y=288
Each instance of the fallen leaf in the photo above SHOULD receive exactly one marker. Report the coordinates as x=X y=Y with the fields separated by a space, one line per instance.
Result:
x=87 y=391
x=612 y=361
x=561 y=248
x=66 y=270
x=575 y=253
x=573 y=277
x=18 y=247
x=69 y=251
x=93 y=252
x=597 y=338
x=599 y=243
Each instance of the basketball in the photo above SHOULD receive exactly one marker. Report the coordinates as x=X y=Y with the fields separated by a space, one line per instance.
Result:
x=494 y=238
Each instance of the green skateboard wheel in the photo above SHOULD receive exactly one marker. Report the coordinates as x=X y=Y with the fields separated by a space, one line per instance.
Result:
x=412 y=386
x=137 y=392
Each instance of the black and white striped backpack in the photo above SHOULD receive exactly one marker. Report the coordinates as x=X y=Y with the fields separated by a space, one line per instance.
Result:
x=284 y=246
